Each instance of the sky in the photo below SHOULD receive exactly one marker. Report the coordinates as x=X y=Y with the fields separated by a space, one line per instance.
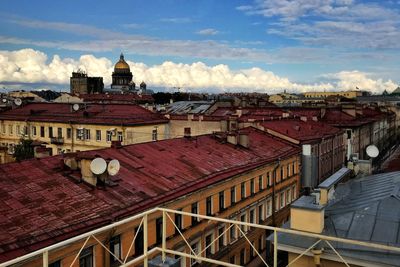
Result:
x=262 y=46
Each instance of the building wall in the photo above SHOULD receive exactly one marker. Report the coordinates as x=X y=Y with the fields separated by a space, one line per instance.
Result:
x=197 y=127
x=307 y=261
x=261 y=204
x=348 y=94
x=12 y=131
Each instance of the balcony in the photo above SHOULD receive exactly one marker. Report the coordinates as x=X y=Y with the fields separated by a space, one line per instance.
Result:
x=57 y=140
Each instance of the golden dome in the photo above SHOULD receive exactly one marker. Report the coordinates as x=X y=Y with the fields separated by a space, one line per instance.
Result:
x=121 y=64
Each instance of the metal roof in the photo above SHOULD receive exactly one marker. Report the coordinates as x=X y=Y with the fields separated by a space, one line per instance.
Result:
x=366 y=209
x=42 y=203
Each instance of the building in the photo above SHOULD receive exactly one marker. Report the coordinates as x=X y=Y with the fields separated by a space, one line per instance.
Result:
x=75 y=127
x=323 y=146
x=81 y=83
x=236 y=176
x=365 y=209
x=122 y=76
x=347 y=94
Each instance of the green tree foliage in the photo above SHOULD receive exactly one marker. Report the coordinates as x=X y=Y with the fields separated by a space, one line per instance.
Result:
x=24 y=150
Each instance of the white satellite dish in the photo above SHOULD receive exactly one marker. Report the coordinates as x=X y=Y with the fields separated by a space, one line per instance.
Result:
x=4 y=100
x=372 y=151
x=18 y=101
x=113 y=167
x=98 y=166
x=75 y=107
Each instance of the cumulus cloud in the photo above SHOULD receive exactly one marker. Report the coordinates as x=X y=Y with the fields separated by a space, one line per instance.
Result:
x=32 y=66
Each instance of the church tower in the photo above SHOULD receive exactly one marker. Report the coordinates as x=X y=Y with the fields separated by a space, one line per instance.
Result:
x=122 y=76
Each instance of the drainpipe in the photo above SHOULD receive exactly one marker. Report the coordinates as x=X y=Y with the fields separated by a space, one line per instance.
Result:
x=317 y=251
x=273 y=191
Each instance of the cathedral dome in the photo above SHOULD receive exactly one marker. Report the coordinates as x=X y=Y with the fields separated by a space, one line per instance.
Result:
x=121 y=65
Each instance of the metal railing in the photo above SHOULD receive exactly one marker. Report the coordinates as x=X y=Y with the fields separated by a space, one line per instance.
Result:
x=163 y=250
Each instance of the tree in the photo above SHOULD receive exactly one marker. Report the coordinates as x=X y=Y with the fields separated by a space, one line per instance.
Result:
x=24 y=150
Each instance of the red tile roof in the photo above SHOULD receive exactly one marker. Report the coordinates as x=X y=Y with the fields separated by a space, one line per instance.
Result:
x=105 y=114
x=40 y=204
x=302 y=131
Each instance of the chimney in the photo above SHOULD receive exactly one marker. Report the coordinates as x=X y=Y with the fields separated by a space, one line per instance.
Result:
x=187 y=132
x=87 y=174
x=41 y=152
x=232 y=138
x=239 y=112
x=116 y=144
x=306 y=214
x=303 y=118
x=244 y=139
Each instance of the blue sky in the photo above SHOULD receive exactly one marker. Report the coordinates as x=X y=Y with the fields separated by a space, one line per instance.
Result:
x=299 y=45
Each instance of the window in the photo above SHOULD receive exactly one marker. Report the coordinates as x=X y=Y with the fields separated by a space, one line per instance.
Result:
x=34 y=130
x=233 y=195
x=98 y=135
x=209 y=206
x=269 y=177
x=25 y=130
x=196 y=249
x=87 y=134
x=288 y=196
x=109 y=136
x=59 y=132
x=55 y=264
x=208 y=241
x=243 y=219
x=139 y=241
x=242 y=256
x=252 y=216
x=69 y=133
x=293 y=168
x=276 y=202
x=18 y=131
x=195 y=208
x=282 y=199
x=178 y=222
x=252 y=186
x=260 y=183
x=282 y=173
x=79 y=134
x=288 y=170
x=232 y=232
x=3 y=129
x=154 y=135
x=41 y=131
x=159 y=222
x=86 y=257
x=243 y=190
x=294 y=192
x=120 y=138
x=50 y=132
x=221 y=197
x=115 y=248
x=232 y=259
x=10 y=129
x=260 y=214
x=221 y=239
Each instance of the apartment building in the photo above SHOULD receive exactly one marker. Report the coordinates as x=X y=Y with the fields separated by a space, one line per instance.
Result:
x=248 y=176
x=323 y=146
x=75 y=127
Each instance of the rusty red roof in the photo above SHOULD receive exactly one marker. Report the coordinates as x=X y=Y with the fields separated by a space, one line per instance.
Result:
x=303 y=131
x=105 y=114
x=113 y=97
x=41 y=204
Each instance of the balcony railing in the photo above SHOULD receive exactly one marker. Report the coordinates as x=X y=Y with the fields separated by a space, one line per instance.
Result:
x=197 y=255
x=57 y=140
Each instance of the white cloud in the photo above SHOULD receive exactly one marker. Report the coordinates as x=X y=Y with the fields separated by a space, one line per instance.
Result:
x=32 y=66
x=208 y=31
x=177 y=20
x=349 y=80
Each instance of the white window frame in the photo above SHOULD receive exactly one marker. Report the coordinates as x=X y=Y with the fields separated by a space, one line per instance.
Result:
x=98 y=135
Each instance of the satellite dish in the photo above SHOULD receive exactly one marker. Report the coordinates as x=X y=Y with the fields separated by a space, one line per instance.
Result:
x=18 y=101
x=98 y=166
x=372 y=151
x=75 y=107
x=113 y=167
x=4 y=100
